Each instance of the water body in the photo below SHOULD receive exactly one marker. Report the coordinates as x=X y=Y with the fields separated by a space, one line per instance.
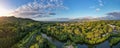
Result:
x=57 y=43
x=116 y=46
x=60 y=44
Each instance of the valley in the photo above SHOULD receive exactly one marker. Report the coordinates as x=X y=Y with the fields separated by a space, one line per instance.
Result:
x=27 y=33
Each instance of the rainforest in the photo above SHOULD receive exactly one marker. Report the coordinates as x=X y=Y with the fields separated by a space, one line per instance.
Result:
x=27 y=33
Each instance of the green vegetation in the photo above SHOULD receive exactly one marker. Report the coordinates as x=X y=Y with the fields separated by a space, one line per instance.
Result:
x=19 y=33
x=70 y=44
x=26 y=33
x=115 y=36
x=114 y=41
x=88 y=32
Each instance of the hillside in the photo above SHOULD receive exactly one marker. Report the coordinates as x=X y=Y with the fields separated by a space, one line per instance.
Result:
x=27 y=33
x=17 y=32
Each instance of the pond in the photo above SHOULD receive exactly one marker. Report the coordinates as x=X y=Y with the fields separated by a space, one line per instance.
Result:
x=60 y=44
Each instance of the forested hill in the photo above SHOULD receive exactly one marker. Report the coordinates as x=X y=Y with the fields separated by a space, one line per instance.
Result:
x=26 y=33
x=12 y=30
x=17 y=32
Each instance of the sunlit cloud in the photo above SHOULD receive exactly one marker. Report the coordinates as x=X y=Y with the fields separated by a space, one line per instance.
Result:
x=39 y=8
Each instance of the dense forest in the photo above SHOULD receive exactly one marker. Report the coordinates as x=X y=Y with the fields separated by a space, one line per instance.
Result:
x=27 y=33
x=20 y=33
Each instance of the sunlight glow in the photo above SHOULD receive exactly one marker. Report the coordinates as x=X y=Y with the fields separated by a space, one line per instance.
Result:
x=4 y=11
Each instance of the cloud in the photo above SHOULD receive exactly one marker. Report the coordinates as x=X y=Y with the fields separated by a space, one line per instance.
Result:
x=100 y=3
x=60 y=19
x=97 y=9
x=39 y=8
x=115 y=15
x=112 y=16
x=98 y=6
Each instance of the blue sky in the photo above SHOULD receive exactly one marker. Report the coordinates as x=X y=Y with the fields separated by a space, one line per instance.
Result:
x=77 y=8
x=88 y=7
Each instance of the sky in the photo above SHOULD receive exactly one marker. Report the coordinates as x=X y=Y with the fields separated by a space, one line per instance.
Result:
x=47 y=9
